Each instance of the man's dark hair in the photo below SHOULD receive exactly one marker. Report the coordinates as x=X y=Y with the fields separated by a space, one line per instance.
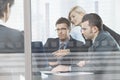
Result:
x=3 y=6
x=94 y=20
x=63 y=20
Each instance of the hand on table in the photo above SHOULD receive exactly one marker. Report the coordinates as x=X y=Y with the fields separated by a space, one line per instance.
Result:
x=81 y=63
x=61 y=53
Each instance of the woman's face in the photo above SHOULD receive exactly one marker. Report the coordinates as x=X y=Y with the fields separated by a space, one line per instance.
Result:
x=76 y=18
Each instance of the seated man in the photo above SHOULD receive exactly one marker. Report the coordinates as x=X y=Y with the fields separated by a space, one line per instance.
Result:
x=62 y=45
x=92 y=28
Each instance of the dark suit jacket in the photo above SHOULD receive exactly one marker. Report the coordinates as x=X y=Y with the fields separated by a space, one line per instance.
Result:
x=11 y=40
x=115 y=35
x=52 y=45
x=104 y=42
x=99 y=53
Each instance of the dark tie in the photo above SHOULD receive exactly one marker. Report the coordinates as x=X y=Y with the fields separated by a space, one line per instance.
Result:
x=62 y=45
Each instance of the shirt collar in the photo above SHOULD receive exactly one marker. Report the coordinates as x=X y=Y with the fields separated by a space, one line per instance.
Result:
x=65 y=42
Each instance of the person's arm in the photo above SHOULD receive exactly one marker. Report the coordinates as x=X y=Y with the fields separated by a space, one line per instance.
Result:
x=58 y=54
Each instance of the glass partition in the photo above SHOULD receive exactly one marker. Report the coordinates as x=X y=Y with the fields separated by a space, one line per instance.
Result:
x=44 y=15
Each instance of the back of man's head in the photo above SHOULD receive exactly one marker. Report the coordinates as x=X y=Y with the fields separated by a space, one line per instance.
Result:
x=3 y=6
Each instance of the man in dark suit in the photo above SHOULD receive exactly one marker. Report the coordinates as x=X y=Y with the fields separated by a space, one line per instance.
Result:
x=64 y=44
x=92 y=28
x=11 y=40
x=103 y=44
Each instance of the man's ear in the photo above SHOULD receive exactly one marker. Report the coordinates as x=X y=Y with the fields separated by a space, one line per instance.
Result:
x=95 y=29
x=7 y=12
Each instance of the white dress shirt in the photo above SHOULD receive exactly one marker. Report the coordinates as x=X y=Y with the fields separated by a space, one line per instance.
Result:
x=76 y=33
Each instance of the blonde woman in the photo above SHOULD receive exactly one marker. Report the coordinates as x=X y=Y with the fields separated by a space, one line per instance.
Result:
x=75 y=17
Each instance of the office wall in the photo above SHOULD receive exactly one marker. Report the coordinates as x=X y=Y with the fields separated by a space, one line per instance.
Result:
x=16 y=19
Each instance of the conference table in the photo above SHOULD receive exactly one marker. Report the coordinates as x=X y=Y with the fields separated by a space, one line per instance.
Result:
x=12 y=67
x=79 y=76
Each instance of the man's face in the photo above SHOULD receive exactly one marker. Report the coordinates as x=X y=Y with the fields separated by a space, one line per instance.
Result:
x=62 y=31
x=87 y=31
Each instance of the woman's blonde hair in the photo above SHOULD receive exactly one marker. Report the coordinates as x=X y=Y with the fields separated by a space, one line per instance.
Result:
x=77 y=9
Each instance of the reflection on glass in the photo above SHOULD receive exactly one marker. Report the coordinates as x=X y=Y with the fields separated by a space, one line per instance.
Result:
x=44 y=15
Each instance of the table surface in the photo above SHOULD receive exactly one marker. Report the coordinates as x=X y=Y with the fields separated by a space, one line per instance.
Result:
x=12 y=66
